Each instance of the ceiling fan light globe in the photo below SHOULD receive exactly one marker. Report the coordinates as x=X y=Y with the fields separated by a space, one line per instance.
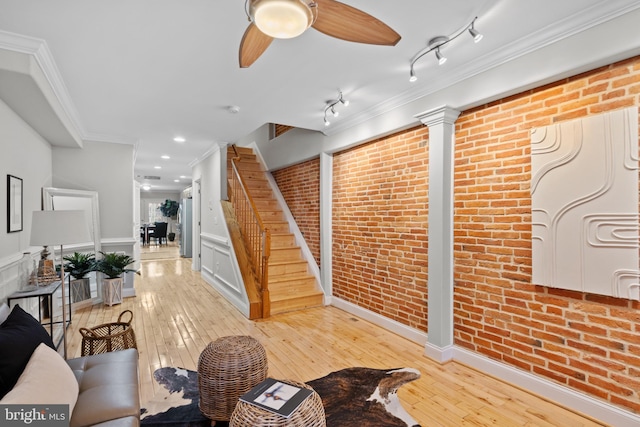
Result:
x=281 y=19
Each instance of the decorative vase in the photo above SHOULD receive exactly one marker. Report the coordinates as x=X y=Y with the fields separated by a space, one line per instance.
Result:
x=24 y=273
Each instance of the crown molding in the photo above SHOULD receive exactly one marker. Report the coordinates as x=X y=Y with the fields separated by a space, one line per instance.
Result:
x=53 y=84
x=112 y=139
x=215 y=147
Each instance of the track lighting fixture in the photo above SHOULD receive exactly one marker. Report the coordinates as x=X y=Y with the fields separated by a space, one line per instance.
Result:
x=331 y=107
x=436 y=43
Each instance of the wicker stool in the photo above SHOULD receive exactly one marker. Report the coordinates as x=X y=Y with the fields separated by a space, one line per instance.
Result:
x=310 y=413
x=227 y=368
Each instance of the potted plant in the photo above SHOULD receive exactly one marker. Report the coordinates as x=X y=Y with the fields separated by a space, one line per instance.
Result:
x=79 y=265
x=169 y=208
x=113 y=266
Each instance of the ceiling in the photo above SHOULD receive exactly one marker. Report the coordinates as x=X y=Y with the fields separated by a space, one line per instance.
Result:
x=143 y=72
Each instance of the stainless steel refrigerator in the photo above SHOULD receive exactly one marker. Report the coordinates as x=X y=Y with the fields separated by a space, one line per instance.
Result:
x=186 y=227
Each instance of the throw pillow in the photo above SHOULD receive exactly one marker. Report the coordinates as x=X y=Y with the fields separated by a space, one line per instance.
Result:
x=46 y=380
x=4 y=312
x=20 y=334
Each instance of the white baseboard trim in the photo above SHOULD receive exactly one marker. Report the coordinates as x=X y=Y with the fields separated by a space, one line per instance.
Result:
x=439 y=354
x=405 y=331
x=564 y=396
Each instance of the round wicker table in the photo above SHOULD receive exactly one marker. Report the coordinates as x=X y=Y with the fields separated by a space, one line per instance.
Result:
x=227 y=368
x=310 y=413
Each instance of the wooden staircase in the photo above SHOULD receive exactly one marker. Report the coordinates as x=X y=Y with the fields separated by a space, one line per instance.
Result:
x=291 y=286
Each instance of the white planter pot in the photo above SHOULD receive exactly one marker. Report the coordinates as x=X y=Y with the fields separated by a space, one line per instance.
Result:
x=112 y=291
x=80 y=290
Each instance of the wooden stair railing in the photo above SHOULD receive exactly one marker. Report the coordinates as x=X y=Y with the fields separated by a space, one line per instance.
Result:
x=257 y=237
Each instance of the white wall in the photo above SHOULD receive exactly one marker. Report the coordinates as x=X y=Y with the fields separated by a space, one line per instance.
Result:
x=25 y=154
x=105 y=168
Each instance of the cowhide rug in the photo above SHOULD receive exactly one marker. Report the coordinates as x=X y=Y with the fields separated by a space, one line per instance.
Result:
x=360 y=397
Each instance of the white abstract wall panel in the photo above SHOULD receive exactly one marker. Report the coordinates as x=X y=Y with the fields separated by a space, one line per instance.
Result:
x=584 y=196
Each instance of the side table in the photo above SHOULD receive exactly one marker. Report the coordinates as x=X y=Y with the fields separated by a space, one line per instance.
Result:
x=46 y=293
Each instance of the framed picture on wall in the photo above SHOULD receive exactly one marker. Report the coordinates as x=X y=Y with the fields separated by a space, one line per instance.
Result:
x=14 y=204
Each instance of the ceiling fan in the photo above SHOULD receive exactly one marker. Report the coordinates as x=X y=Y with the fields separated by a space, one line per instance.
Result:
x=289 y=18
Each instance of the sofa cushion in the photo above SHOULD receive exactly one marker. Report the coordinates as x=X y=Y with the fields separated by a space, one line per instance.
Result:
x=108 y=389
x=47 y=379
x=20 y=334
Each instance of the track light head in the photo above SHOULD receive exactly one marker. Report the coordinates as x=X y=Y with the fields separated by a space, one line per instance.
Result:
x=412 y=75
x=343 y=101
x=474 y=33
x=326 y=122
x=334 y=112
x=441 y=58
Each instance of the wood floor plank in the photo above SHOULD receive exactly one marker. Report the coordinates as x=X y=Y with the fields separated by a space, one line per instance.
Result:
x=177 y=314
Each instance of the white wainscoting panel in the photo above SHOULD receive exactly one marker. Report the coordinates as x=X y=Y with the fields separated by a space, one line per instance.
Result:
x=584 y=191
x=220 y=269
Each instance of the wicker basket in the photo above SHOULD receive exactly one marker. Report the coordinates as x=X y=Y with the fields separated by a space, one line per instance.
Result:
x=109 y=336
x=310 y=413
x=227 y=368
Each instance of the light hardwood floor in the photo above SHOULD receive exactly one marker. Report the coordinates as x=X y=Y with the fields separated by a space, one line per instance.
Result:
x=176 y=314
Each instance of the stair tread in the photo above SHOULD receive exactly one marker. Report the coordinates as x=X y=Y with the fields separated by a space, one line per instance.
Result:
x=279 y=296
x=285 y=262
x=290 y=277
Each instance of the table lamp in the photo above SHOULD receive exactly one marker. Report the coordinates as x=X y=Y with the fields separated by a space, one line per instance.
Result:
x=50 y=228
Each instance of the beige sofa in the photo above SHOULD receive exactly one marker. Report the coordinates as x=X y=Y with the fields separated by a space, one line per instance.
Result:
x=100 y=390
x=108 y=390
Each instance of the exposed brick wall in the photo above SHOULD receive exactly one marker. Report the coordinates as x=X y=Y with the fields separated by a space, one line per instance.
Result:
x=380 y=226
x=300 y=187
x=584 y=341
x=280 y=129
x=587 y=342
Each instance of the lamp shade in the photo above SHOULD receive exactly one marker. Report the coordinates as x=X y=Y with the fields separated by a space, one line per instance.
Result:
x=49 y=228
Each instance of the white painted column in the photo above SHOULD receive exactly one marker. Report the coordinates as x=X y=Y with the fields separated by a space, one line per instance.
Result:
x=441 y=123
x=326 y=224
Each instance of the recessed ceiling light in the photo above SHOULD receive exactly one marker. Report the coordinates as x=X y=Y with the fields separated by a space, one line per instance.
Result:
x=182 y=176
x=176 y=180
x=165 y=157
x=157 y=167
x=146 y=187
x=179 y=139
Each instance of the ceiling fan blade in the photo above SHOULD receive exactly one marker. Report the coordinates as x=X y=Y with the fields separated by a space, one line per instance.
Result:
x=254 y=43
x=344 y=22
